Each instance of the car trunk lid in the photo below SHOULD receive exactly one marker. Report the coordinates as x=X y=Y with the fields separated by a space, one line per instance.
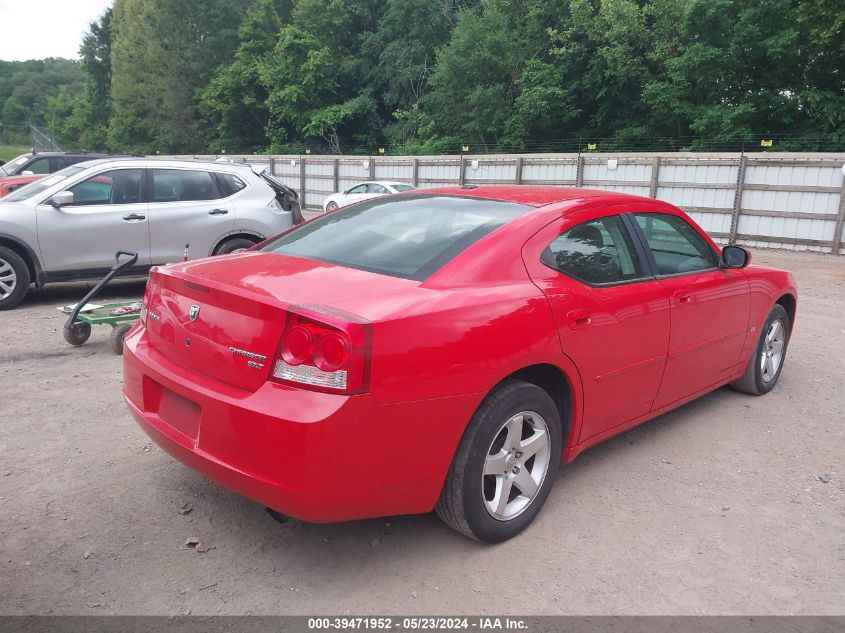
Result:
x=224 y=316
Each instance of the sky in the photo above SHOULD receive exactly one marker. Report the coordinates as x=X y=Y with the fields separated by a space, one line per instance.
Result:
x=35 y=29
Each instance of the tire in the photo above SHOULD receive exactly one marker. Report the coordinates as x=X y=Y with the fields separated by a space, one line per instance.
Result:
x=14 y=278
x=470 y=500
x=331 y=206
x=78 y=333
x=764 y=367
x=234 y=245
x=118 y=333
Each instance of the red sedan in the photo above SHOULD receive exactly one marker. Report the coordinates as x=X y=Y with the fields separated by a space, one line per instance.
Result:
x=446 y=349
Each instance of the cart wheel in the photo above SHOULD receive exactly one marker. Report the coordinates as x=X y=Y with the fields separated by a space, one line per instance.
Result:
x=118 y=332
x=77 y=333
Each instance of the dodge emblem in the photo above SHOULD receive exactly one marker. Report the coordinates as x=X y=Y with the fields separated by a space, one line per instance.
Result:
x=194 y=312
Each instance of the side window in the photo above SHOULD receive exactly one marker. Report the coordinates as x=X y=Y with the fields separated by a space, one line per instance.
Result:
x=358 y=189
x=676 y=246
x=596 y=252
x=122 y=186
x=229 y=184
x=373 y=188
x=39 y=166
x=179 y=185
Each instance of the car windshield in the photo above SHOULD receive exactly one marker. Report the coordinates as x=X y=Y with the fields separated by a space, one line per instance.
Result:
x=11 y=168
x=34 y=188
x=408 y=236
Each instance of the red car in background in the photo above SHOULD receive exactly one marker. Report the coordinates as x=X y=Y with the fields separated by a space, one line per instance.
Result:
x=10 y=183
x=445 y=349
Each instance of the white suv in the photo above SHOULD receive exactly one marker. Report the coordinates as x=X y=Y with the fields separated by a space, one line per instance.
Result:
x=69 y=225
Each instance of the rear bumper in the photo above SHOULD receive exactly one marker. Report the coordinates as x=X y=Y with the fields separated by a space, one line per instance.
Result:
x=314 y=456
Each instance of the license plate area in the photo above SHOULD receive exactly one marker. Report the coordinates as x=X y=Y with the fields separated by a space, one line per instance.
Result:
x=178 y=412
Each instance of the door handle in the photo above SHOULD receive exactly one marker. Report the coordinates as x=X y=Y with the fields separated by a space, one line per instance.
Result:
x=134 y=217
x=579 y=319
x=218 y=212
x=683 y=297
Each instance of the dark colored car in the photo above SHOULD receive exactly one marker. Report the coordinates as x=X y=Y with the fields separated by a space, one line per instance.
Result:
x=42 y=163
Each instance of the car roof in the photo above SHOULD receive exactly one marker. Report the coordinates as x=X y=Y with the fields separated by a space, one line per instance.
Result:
x=533 y=195
x=168 y=163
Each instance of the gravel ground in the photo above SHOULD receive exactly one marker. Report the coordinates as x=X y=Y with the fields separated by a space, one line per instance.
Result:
x=717 y=508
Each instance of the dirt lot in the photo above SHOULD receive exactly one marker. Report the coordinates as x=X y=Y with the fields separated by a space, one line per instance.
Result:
x=716 y=508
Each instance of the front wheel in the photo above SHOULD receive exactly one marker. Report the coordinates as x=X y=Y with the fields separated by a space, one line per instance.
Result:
x=505 y=465
x=331 y=206
x=14 y=278
x=77 y=333
x=763 y=370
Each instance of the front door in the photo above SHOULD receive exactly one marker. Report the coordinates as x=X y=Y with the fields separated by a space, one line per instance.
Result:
x=612 y=318
x=186 y=208
x=107 y=215
x=710 y=306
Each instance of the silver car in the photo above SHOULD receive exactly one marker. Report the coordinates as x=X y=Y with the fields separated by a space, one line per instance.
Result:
x=69 y=225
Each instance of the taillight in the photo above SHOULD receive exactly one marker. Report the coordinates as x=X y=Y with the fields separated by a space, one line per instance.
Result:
x=325 y=350
x=148 y=293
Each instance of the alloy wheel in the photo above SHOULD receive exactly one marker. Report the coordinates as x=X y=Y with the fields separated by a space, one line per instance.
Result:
x=8 y=279
x=516 y=465
x=772 y=355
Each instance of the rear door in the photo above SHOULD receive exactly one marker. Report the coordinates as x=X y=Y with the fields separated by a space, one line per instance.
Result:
x=186 y=208
x=710 y=305
x=108 y=214
x=612 y=316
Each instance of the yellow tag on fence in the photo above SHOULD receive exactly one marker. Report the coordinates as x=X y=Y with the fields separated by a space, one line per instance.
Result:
x=465 y=148
x=381 y=150
x=767 y=143
x=591 y=146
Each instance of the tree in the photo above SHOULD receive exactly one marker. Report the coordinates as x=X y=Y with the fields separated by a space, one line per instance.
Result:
x=164 y=52
x=234 y=102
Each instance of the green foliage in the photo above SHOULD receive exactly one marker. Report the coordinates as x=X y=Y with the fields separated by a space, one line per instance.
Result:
x=428 y=76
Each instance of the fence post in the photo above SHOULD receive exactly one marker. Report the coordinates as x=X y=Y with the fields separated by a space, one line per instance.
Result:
x=519 y=170
x=416 y=176
x=272 y=165
x=655 y=177
x=463 y=169
x=836 y=246
x=336 y=175
x=372 y=168
x=579 y=171
x=301 y=182
x=740 y=183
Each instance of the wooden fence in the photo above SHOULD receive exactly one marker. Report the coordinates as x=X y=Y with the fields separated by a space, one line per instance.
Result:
x=793 y=201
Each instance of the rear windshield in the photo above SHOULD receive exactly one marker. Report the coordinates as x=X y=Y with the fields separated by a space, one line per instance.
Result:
x=409 y=236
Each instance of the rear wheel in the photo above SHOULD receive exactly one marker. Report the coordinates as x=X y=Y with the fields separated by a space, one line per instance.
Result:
x=505 y=465
x=118 y=333
x=234 y=245
x=768 y=357
x=14 y=278
x=77 y=333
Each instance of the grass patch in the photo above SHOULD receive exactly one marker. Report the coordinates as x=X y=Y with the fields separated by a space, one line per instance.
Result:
x=8 y=152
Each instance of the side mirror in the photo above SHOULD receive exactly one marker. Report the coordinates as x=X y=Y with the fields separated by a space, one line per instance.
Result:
x=62 y=198
x=735 y=257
